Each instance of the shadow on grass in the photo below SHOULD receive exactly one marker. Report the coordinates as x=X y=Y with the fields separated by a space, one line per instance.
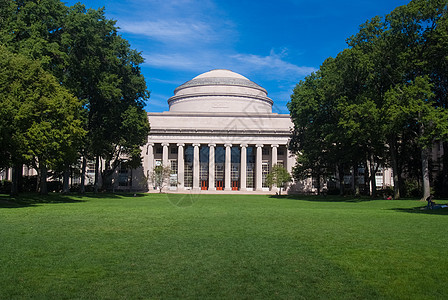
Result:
x=324 y=198
x=423 y=210
x=33 y=199
x=28 y=200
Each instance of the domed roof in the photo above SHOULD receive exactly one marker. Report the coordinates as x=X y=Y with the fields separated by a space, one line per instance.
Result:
x=220 y=77
x=220 y=91
x=220 y=73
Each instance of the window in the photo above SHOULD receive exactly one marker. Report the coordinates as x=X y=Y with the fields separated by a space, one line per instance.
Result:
x=280 y=151
x=90 y=172
x=173 y=176
x=235 y=172
x=173 y=150
x=203 y=171
x=123 y=177
x=250 y=175
x=159 y=150
x=265 y=151
x=188 y=175
x=219 y=171
x=264 y=173
x=250 y=167
x=219 y=176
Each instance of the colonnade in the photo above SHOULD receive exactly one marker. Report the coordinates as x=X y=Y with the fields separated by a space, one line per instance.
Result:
x=211 y=161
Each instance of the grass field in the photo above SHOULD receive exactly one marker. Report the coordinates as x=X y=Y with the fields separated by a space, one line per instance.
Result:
x=220 y=246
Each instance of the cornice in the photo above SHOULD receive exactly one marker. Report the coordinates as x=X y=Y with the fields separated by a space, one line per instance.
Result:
x=178 y=98
x=226 y=81
x=218 y=115
x=219 y=132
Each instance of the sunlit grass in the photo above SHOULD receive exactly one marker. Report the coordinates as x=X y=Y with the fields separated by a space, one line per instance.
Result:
x=220 y=246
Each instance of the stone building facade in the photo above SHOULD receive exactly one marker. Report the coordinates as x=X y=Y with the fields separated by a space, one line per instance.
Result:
x=219 y=134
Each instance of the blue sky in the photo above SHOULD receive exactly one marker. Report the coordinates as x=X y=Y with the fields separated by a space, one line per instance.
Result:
x=273 y=43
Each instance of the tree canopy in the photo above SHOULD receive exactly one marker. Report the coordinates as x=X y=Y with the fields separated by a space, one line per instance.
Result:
x=39 y=119
x=83 y=50
x=380 y=102
x=279 y=177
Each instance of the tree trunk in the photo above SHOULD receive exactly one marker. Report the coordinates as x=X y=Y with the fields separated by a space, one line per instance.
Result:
x=444 y=190
x=355 y=180
x=82 y=189
x=341 y=179
x=97 y=171
x=16 y=174
x=373 y=176
x=395 y=171
x=318 y=184
x=43 y=190
x=367 y=178
x=66 y=179
x=352 y=180
x=425 y=173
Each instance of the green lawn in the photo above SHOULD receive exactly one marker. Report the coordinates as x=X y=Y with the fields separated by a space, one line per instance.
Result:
x=221 y=246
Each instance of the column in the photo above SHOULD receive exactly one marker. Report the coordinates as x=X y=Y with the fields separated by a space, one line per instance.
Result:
x=258 y=163
x=165 y=161
x=290 y=160
x=150 y=164
x=243 y=166
x=196 y=167
x=211 y=167
x=273 y=163
x=227 y=168
x=180 y=166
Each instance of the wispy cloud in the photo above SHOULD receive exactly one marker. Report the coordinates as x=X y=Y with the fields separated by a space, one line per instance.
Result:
x=195 y=36
x=171 y=31
x=158 y=100
x=272 y=63
x=272 y=66
x=174 y=61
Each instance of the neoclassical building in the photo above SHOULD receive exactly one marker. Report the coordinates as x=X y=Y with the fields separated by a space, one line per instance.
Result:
x=219 y=134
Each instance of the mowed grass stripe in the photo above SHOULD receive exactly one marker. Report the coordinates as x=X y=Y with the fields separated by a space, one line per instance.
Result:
x=219 y=246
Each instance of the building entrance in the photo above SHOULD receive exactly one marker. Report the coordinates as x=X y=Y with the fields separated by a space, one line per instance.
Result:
x=204 y=184
x=219 y=185
x=235 y=185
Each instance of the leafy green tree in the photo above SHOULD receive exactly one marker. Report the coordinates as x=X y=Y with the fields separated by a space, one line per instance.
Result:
x=103 y=70
x=33 y=28
x=38 y=120
x=160 y=177
x=413 y=103
x=83 y=49
x=376 y=96
x=279 y=177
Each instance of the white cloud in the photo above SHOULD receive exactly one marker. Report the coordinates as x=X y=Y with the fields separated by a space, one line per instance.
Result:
x=170 y=31
x=176 y=61
x=273 y=64
x=271 y=67
x=158 y=100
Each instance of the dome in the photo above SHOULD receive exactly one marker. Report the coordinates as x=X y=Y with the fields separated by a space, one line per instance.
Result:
x=220 y=91
x=220 y=73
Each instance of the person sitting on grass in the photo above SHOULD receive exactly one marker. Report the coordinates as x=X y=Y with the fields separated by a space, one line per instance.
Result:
x=430 y=202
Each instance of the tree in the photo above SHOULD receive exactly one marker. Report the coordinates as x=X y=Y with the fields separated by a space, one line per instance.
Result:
x=279 y=177
x=160 y=177
x=39 y=122
x=386 y=95
x=311 y=137
x=413 y=104
x=83 y=49
x=103 y=70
